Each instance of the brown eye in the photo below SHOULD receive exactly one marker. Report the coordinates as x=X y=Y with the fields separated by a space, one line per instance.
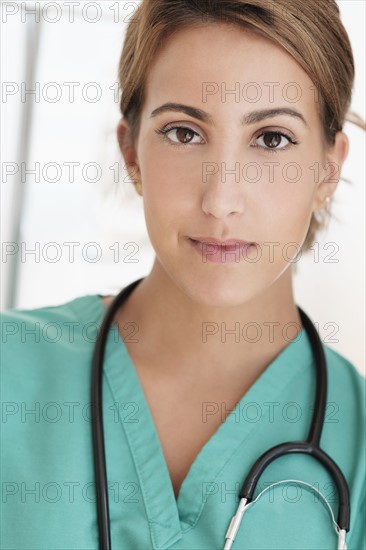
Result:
x=272 y=140
x=180 y=135
x=184 y=135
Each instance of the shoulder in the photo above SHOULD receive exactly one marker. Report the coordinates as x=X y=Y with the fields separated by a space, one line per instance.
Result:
x=344 y=433
x=16 y=324
x=346 y=395
x=345 y=380
x=42 y=336
x=65 y=309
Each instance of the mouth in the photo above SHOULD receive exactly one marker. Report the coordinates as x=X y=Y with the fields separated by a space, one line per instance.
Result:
x=227 y=243
x=222 y=252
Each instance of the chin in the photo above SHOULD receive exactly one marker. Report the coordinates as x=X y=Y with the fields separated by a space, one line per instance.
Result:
x=218 y=292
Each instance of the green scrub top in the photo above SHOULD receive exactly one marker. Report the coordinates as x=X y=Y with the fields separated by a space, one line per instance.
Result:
x=48 y=492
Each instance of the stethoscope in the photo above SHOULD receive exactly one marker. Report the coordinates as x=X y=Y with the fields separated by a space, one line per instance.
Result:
x=310 y=446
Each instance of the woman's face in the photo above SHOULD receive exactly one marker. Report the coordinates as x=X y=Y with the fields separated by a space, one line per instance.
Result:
x=224 y=167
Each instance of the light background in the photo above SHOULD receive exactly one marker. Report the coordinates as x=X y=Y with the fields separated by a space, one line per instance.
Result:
x=106 y=212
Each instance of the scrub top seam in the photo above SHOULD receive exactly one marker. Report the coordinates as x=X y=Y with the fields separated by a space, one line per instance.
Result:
x=245 y=439
x=107 y=379
x=144 y=489
x=115 y=353
x=96 y=306
x=105 y=374
x=235 y=451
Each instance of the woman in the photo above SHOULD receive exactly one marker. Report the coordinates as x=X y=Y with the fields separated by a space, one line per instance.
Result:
x=227 y=107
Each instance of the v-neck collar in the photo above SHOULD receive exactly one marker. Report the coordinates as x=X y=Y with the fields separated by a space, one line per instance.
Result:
x=169 y=517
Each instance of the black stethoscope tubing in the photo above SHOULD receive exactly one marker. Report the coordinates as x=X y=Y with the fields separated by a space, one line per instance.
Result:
x=310 y=446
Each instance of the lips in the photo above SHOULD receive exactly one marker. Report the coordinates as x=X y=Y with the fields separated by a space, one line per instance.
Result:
x=227 y=243
x=221 y=252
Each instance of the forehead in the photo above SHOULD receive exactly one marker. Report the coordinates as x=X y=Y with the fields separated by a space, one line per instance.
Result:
x=224 y=57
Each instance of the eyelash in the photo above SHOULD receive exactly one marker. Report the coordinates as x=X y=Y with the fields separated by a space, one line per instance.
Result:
x=166 y=129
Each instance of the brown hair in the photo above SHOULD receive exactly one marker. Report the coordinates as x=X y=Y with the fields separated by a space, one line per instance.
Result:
x=310 y=31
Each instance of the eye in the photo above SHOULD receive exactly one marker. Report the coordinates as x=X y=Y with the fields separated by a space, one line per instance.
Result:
x=183 y=135
x=273 y=141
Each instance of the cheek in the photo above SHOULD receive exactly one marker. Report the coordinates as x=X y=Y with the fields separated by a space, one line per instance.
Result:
x=162 y=207
x=284 y=202
x=170 y=190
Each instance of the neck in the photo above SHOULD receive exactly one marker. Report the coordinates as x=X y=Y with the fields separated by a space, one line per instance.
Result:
x=178 y=336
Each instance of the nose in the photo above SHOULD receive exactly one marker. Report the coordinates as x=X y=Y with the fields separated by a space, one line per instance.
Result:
x=223 y=189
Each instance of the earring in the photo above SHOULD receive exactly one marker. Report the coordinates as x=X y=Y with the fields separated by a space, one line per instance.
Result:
x=138 y=187
x=318 y=215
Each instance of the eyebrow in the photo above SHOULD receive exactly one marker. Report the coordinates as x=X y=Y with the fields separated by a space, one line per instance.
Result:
x=249 y=118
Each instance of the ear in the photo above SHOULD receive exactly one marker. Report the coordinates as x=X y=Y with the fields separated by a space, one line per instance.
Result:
x=334 y=157
x=128 y=150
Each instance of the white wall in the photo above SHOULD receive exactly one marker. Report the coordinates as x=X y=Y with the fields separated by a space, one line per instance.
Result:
x=105 y=212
